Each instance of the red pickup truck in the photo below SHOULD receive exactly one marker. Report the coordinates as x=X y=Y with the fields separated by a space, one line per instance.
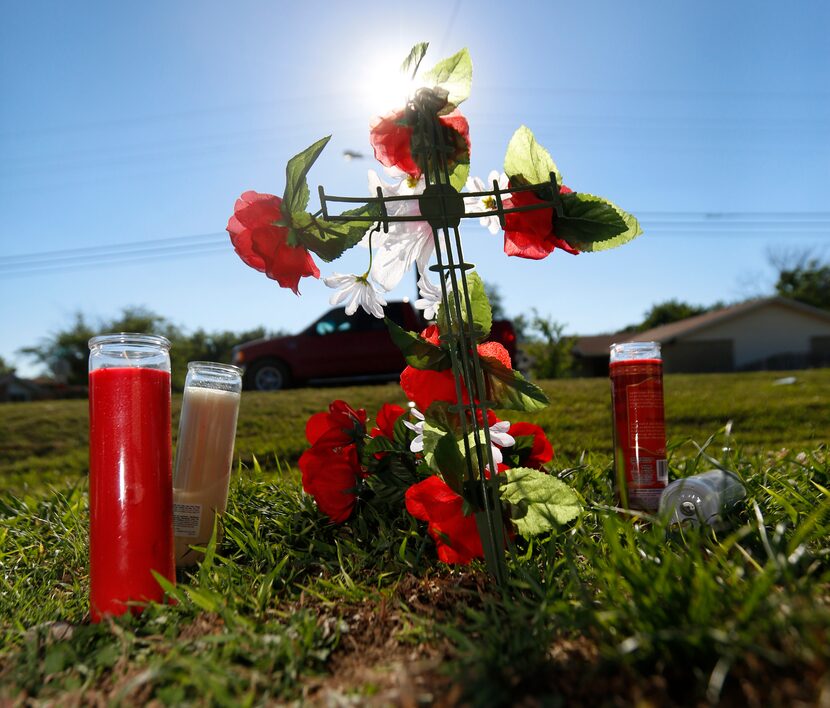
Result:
x=339 y=347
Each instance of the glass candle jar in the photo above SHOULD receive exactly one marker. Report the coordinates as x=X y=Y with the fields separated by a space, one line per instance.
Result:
x=706 y=498
x=204 y=453
x=130 y=483
x=636 y=370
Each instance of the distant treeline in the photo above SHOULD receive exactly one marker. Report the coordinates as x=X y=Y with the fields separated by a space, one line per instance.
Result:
x=65 y=353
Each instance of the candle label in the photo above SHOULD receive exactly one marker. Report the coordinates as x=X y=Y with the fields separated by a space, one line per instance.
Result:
x=186 y=518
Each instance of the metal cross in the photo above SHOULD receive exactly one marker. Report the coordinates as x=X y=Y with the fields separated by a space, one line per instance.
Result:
x=442 y=206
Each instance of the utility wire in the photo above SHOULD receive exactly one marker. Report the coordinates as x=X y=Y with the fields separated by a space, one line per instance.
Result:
x=111 y=246
x=182 y=250
x=704 y=223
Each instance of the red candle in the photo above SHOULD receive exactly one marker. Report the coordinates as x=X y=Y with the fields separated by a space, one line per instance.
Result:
x=639 y=424
x=130 y=472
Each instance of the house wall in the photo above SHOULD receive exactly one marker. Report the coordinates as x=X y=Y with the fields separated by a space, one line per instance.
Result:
x=698 y=356
x=765 y=332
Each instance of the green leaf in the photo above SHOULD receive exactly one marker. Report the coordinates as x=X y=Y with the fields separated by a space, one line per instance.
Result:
x=591 y=223
x=378 y=444
x=454 y=75
x=480 y=305
x=509 y=389
x=460 y=173
x=413 y=60
x=418 y=352
x=392 y=476
x=432 y=435
x=539 y=502
x=296 y=188
x=330 y=239
x=519 y=450
x=450 y=462
x=526 y=159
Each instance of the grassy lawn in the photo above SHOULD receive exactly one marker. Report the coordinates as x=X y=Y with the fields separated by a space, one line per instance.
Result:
x=610 y=610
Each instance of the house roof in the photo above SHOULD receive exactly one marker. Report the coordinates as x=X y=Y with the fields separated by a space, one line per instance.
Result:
x=599 y=345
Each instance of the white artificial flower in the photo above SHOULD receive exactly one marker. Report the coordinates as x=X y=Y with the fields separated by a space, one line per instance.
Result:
x=407 y=242
x=499 y=438
x=475 y=205
x=417 y=444
x=357 y=290
x=430 y=299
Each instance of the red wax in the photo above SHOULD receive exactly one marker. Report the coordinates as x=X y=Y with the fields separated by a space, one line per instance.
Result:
x=130 y=488
x=639 y=431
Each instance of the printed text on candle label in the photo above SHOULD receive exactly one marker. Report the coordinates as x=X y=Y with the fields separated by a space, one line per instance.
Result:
x=186 y=518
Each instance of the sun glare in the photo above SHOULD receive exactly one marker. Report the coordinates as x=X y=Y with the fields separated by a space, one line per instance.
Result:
x=383 y=87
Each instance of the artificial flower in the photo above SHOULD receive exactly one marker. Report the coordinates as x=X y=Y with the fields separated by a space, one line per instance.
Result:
x=391 y=140
x=430 y=299
x=478 y=204
x=356 y=291
x=424 y=386
x=417 y=444
x=455 y=535
x=262 y=244
x=530 y=234
x=386 y=418
x=500 y=438
x=407 y=242
x=495 y=350
x=332 y=477
x=541 y=450
x=341 y=426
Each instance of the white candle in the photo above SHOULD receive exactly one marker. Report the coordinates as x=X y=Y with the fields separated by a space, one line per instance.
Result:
x=204 y=455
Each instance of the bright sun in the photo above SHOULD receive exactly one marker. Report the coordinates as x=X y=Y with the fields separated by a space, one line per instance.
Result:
x=383 y=87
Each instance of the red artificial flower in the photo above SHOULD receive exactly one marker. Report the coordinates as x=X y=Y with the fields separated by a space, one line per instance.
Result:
x=391 y=139
x=425 y=386
x=342 y=425
x=530 y=234
x=386 y=418
x=494 y=350
x=331 y=476
x=455 y=535
x=262 y=244
x=541 y=452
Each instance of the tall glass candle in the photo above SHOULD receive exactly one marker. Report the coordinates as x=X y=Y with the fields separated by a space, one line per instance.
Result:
x=130 y=472
x=204 y=454
x=636 y=370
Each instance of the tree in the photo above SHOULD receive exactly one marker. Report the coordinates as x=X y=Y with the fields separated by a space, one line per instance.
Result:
x=804 y=278
x=65 y=353
x=496 y=301
x=5 y=368
x=549 y=350
x=668 y=311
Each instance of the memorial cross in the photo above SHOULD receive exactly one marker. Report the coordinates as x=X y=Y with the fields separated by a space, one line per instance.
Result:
x=443 y=208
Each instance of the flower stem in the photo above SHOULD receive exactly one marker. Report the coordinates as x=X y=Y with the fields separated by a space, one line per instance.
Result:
x=372 y=232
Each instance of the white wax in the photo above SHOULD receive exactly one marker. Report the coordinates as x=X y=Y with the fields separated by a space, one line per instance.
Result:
x=204 y=455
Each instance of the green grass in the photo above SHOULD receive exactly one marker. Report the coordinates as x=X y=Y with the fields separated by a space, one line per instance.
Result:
x=611 y=610
x=46 y=442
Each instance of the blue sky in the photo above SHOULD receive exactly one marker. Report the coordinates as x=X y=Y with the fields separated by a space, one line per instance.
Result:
x=130 y=122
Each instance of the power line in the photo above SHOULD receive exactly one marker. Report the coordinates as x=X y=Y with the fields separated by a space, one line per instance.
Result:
x=182 y=252
x=96 y=250
x=712 y=223
x=187 y=250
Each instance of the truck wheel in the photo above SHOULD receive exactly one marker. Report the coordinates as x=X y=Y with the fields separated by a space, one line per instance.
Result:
x=268 y=375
